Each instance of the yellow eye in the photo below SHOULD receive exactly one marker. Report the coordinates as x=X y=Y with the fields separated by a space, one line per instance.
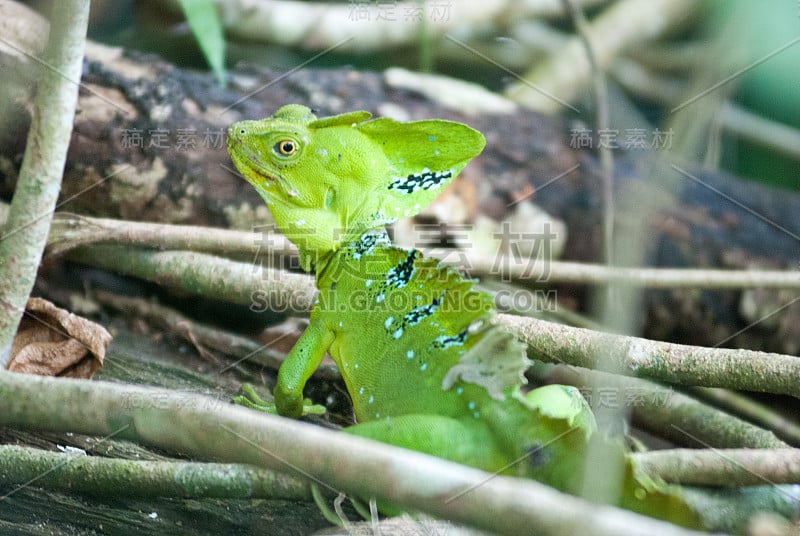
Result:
x=285 y=147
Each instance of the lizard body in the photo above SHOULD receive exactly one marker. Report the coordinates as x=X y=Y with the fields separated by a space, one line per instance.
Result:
x=424 y=364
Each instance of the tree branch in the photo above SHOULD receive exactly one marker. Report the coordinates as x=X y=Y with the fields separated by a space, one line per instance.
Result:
x=723 y=467
x=106 y=476
x=318 y=25
x=204 y=427
x=262 y=287
x=25 y=232
x=665 y=412
x=567 y=72
x=213 y=277
x=674 y=363
x=72 y=230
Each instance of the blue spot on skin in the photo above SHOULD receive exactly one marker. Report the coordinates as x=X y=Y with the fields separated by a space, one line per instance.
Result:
x=431 y=138
x=397 y=334
x=424 y=367
x=368 y=282
x=380 y=297
x=459 y=391
x=355 y=366
x=471 y=405
x=372 y=399
x=388 y=322
x=477 y=414
x=436 y=152
x=410 y=354
x=361 y=390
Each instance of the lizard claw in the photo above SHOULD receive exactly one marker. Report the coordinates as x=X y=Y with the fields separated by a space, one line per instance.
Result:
x=250 y=399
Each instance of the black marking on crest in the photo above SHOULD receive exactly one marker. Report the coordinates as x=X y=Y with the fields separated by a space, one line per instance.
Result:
x=425 y=180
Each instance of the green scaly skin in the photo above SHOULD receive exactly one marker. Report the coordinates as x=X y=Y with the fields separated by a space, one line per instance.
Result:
x=422 y=361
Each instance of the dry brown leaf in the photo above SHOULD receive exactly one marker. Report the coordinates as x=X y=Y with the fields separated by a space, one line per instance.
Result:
x=54 y=342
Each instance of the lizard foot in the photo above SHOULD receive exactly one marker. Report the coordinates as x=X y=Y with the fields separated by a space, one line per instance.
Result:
x=250 y=399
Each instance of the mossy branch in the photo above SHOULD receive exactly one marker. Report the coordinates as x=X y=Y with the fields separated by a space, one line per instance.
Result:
x=204 y=428
x=745 y=370
x=106 y=476
x=213 y=277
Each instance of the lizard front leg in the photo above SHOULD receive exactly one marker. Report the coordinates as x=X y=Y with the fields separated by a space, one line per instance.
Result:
x=297 y=368
x=300 y=364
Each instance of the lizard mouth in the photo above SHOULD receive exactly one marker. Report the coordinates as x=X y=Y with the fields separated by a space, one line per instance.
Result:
x=265 y=176
x=282 y=183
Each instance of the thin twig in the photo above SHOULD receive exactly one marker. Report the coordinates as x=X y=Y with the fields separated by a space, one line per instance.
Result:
x=738 y=404
x=774 y=135
x=71 y=230
x=600 y=484
x=723 y=467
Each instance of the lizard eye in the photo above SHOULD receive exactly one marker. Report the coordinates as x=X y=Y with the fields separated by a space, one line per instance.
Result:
x=285 y=147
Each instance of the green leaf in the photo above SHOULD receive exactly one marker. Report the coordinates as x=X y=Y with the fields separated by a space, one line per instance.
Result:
x=207 y=29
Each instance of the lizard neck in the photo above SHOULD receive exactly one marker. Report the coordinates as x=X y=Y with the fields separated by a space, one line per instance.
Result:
x=351 y=251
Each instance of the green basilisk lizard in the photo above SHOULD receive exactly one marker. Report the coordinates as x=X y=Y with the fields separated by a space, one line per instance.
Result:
x=424 y=364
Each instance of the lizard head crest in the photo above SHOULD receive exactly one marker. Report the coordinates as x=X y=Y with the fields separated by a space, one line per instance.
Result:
x=327 y=181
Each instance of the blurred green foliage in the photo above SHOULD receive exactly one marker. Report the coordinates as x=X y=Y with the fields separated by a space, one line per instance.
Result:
x=207 y=29
x=770 y=87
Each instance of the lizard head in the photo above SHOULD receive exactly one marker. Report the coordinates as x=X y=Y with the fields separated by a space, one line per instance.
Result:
x=327 y=181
